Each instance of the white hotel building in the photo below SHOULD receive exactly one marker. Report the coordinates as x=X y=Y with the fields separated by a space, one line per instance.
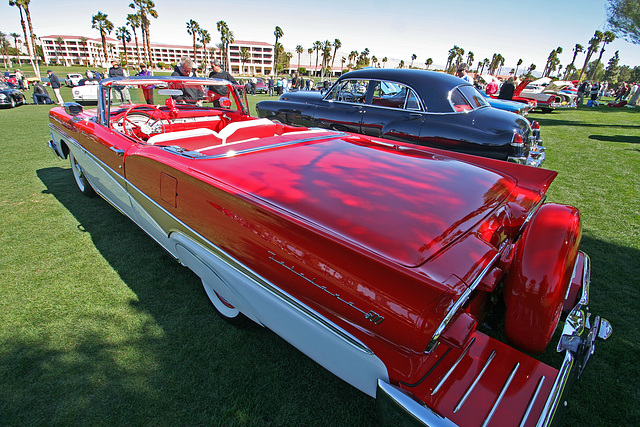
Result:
x=86 y=51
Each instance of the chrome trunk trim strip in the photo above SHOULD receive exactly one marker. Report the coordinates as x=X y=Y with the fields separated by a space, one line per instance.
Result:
x=475 y=382
x=532 y=401
x=502 y=393
x=455 y=365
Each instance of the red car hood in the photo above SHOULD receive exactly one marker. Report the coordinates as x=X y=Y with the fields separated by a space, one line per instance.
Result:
x=405 y=207
x=521 y=87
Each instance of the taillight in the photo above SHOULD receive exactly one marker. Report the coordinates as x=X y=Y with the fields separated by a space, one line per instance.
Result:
x=518 y=145
x=535 y=126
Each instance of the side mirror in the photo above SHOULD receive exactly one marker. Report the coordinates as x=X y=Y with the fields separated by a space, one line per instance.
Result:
x=73 y=108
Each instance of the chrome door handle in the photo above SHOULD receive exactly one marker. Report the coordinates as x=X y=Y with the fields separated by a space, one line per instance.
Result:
x=117 y=150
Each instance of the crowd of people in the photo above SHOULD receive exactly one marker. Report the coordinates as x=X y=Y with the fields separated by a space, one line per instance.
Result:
x=591 y=91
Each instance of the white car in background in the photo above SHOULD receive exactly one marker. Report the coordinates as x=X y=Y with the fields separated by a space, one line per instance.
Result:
x=86 y=91
x=73 y=79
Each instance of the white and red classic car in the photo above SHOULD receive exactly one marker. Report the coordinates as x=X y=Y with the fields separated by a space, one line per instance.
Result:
x=427 y=279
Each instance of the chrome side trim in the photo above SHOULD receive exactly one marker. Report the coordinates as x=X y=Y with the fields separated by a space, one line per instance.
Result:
x=460 y=302
x=475 y=382
x=502 y=393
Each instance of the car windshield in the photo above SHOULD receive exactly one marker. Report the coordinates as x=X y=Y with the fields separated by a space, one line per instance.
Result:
x=195 y=92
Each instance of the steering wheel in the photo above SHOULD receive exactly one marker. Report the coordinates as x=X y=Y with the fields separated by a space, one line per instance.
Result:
x=145 y=129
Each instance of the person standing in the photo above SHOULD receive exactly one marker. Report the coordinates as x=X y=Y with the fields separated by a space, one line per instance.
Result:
x=582 y=91
x=55 y=85
x=271 y=85
x=147 y=91
x=190 y=95
x=219 y=73
x=117 y=71
x=462 y=72
x=507 y=89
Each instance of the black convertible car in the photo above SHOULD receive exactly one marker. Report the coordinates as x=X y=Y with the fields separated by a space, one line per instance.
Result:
x=10 y=97
x=421 y=107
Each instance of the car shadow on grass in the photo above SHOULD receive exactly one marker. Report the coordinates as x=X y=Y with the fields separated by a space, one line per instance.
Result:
x=629 y=139
x=177 y=363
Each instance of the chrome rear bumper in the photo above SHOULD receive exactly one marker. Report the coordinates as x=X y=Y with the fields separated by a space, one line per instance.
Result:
x=397 y=406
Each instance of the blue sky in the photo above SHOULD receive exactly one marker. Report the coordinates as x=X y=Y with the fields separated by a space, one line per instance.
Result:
x=395 y=29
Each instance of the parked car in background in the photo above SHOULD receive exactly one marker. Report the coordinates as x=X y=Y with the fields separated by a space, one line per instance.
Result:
x=10 y=97
x=422 y=107
x=513 y=106
x=548 y=94
x=73 y=79
x=426 y=279
x=85 y=91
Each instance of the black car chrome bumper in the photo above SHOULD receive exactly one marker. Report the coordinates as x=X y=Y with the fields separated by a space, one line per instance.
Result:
x=535 y=158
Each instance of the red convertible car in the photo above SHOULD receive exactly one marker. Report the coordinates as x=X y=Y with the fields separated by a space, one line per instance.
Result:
x=426 y=279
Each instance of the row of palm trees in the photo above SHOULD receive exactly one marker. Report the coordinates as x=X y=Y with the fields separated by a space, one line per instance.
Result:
x=29 y=36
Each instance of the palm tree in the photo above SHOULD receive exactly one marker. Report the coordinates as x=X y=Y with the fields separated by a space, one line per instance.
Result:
x=145 y=8
x=226 y=37
x=192 y=29
x=310 y=52
x=83 y=43
x=133 y=20
x=352 y=56
x=204 y=37
x=374 y=61
x=384 y=61
x=517 y=65
x=413 y=58
x=59 y=41
x=244 y=56
x=401 y=65
x=337 y=44
x=23 y=5
x=470 y=58
x=279 y=34
x=607 y=38
x=576 y=50
x=101 y=23
x=123 y=34
x=326 y=56
x=428 y=62
x=485 y=63
x=4 y=45
x=317 y=45
x=342 y=61
x=299 y=50
x=16 y=36
x=594 y=43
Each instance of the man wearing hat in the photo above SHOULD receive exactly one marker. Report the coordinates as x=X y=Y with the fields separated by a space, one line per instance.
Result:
x=462 y=72
x=117 y=71
x=55 y=85
x=219 y=73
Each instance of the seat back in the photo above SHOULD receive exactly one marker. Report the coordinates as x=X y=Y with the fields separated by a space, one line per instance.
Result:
x=182 y=135
x=247 y=129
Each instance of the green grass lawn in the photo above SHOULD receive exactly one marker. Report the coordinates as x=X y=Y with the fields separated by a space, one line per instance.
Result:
x=99 y=326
